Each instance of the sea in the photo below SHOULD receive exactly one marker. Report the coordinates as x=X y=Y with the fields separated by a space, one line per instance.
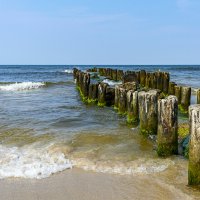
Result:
x=45 y=127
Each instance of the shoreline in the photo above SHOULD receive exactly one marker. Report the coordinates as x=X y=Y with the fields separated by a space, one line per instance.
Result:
x=78 y=184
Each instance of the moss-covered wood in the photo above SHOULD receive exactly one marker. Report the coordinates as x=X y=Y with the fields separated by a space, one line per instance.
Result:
x=159 y=80
x=102 y=94
x=177 y=93
x=93 y=92
x=85 y=84
x=120 y=75
x=167 y=140
x=110 y=96
x=194 y=145
x=122 y=105
x=132 y=107
x=166 y=79
x=130 y=77
x=198 y=96
x=148 y=111
x=185 y=98
x=142 y=78
x=171 y=89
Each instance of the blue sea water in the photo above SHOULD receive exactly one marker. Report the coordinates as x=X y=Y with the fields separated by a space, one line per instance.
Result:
x=46 y=128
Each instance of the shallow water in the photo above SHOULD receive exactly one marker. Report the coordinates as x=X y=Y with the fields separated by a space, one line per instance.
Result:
x=45 y=126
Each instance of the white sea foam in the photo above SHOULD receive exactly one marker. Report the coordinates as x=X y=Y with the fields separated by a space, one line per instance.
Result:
x=30 y=162
x=111 y=82
x=38 y=163
x=69 y=71
x=22 y=86
x=140 y=166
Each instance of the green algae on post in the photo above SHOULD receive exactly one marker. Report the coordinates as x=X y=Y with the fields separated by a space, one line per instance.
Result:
x=132 y=107
x=177 y=93
x=148 y=111
x=171 y=89
x=185 y=98
x=93 y=93
x=167 y=139
x=198 y=96
x=102 y=94
x=194 y=146
x=122 y=106
x=142 y=78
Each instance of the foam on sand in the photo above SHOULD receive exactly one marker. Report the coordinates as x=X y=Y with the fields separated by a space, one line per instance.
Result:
x=139 y=166
x=31 y=162
x=22 y=86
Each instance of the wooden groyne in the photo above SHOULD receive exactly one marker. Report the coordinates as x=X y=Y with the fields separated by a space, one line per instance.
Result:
x=145 y=80
x=151 y=100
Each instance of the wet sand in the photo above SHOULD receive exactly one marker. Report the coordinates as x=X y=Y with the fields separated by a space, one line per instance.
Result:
x=77 y=184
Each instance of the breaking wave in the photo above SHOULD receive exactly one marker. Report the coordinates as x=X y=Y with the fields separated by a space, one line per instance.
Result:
x=22 y=86
x=69 y=71
x=30 y=85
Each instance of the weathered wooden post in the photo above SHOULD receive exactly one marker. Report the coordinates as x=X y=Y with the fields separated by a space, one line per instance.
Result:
x=166 y=78
x=132 y=107
x=78 y=78
x=116 y=104
x=75 y=70
x=102 y=94
x=104 y=70
x=86 y=83
x=130 y=77
x=153 y=81
x=114 y=74
x=130 y=86
x=110 y=96
x=80 y=83
x=198 y=96
x=177 y=93
x=194 y=145
x=148 y=111
x=122 y=101
x=148 y=80
x=93 y=92
x=171 y=90
x=138 y=76
x=159 y=80
x=185 y=98
x=120 y=75
x=167 y=139
x=100 y=70
x=109 y=73
x=142 y=78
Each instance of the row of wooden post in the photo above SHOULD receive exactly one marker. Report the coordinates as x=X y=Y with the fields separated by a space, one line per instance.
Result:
x=153 y=80
x=156 y=115
x=92 y=91
x=138 y=105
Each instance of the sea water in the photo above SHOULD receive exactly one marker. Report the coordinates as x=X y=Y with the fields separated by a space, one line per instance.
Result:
x=46 y=128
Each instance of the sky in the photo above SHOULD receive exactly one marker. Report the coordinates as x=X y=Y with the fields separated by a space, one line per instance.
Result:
x=98 y=32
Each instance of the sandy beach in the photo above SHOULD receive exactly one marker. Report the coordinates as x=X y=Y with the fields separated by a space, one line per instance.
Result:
x=77 y=184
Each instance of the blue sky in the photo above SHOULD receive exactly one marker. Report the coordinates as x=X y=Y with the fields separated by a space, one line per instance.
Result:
x=99 y=32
